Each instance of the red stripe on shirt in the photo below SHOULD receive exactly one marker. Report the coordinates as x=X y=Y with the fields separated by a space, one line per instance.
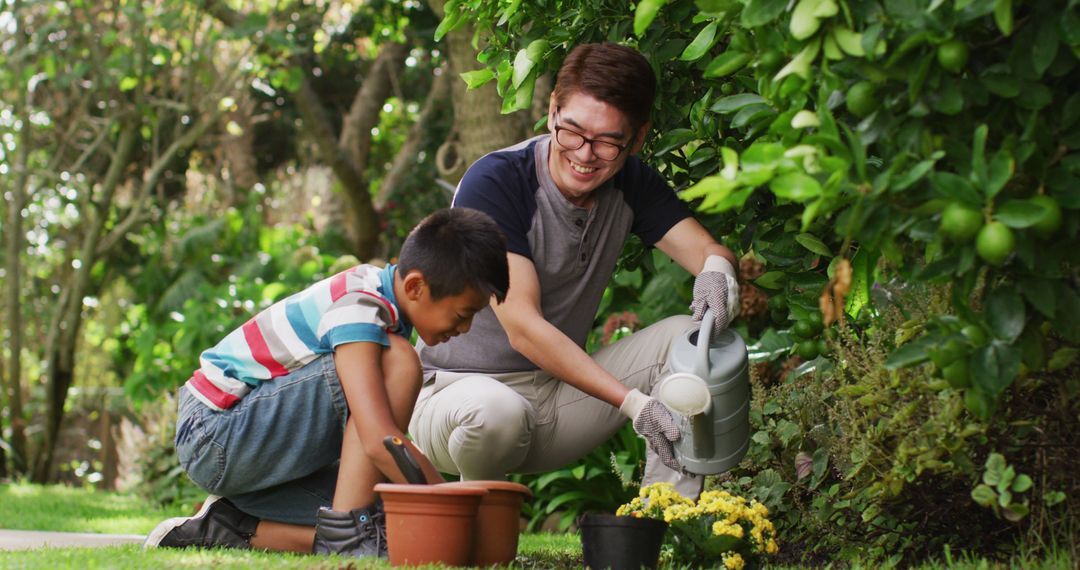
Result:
x=337 y=285
x=210 y=391
x=260 y=351
x=389 y=308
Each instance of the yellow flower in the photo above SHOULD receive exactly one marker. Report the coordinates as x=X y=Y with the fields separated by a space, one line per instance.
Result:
x=733 y=561
x=721 y=528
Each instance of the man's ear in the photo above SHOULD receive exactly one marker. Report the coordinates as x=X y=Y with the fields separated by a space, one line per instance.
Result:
x=414 y=283
x=553 y=106
x=639 y=137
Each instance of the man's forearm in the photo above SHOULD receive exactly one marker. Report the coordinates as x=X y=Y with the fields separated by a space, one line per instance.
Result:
x=554 y=352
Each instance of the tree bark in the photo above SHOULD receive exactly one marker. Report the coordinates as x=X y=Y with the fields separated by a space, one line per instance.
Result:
x=15 y=244
x=238 y=146
x=479 y=124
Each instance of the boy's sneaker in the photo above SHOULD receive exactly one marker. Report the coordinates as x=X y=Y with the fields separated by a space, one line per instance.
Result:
x=358 y=533
x=218 y=523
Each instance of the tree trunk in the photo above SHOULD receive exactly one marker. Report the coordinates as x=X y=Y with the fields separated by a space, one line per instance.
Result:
x=237 y=146
x=479 y=124
x=15 y=244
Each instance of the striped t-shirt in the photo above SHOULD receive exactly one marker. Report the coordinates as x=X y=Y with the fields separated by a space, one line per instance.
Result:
x=356 y=305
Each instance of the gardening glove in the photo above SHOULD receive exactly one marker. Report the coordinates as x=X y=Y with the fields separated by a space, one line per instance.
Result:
x=716 y=288
x=653 y=422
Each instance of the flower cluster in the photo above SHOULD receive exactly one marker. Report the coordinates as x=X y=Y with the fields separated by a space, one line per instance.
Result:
x=718 y=526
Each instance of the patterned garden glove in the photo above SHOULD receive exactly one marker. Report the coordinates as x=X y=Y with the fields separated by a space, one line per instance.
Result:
x=653 y=422
x=716 y=288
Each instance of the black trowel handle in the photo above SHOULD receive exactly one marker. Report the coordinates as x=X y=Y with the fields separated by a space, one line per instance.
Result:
x=404 y=460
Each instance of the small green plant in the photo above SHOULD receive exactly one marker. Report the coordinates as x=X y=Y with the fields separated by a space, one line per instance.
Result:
x=1001 y=487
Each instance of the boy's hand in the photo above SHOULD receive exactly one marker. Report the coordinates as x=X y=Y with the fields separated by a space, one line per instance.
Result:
x=653 y=421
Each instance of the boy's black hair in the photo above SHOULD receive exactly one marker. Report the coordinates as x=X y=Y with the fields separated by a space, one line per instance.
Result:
x=457 y=248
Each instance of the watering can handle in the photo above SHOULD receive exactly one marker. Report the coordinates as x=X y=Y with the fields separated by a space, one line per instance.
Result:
x=701 y=365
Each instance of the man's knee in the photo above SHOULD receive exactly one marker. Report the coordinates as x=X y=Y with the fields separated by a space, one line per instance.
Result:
x=477 y=424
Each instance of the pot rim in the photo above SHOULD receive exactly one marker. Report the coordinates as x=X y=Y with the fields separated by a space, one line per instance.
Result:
x=408 y=489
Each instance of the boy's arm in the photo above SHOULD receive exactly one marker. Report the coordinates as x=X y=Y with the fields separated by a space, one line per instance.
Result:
x=359 y=369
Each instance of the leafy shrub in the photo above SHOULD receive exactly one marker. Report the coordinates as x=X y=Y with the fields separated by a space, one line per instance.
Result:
x=859 y=150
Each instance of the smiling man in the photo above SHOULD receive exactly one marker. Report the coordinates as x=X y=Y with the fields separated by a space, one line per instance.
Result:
x=520 y=394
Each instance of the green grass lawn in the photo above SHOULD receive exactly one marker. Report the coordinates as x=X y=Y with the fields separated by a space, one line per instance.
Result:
x=67 y=509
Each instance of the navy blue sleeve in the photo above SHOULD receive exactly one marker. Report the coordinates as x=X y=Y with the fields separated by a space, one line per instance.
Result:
x=502 y=185
x=656 y=207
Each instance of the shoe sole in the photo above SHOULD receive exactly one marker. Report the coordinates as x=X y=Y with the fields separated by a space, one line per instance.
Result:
x=153 y=540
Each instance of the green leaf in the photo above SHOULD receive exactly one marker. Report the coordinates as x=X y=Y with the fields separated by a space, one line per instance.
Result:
x=761 y=12
x=645 y=14
x=771 y=280
x=452 y=17
x=1005 y=313
x=726 y=63
x=795 y=186
x=994 y=366
x=474 y=79
x=812 y=243
x=523 y=67
x=1019 y=213
x=910 y=354
x=128 y=83
x=1040 y=293
x=1046 y=44
x=954 y=187
x=1002 y=167
x=733 y=103
x=701 y=44
x=1021 y=484
x=537 y=49
x=984 y=495
x=1003 y=16
x=995 y=469
x=672 y=140
x=1062 y=358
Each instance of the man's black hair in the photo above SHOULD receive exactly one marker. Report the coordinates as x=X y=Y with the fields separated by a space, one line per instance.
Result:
x=457 y=248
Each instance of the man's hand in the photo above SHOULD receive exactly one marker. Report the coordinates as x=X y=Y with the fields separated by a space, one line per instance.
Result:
x=653 y=422
x=716 y=288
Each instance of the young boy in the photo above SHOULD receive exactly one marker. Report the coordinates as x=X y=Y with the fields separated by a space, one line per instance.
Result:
x=283 y=422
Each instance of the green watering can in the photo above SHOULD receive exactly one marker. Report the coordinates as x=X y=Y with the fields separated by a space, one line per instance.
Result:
x=708 y=393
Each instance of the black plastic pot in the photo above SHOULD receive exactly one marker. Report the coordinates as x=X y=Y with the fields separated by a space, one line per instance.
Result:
x=620 y=543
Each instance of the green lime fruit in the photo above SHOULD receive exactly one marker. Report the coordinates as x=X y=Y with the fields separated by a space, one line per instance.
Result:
x=777 y=303
x=802 y=329
x=975 y=334
x=960 y=223
x=1051 y=220
x=995 y=242
x=816 y=322
x=770 y=59
x=822 y=347
x=862 y=99
x=779 y=315
x=808 y=349
x=957 y=374
x=953 y=55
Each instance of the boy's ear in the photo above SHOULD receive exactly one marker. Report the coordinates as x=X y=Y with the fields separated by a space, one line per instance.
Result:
x=414 y=283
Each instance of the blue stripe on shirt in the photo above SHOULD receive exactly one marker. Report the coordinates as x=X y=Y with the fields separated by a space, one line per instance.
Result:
x=357 y=332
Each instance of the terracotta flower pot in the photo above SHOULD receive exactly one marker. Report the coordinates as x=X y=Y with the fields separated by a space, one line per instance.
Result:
x=497 y=520
x=429 y=523
x=621 y=543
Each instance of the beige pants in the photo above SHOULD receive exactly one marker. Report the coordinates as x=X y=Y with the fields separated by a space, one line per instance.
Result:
x=485 y=426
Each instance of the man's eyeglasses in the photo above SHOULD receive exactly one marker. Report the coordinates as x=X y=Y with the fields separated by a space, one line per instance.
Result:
x=573 y=140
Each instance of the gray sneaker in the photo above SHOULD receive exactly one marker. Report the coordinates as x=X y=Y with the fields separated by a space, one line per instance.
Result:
x=217 y=524
x=358 y=533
